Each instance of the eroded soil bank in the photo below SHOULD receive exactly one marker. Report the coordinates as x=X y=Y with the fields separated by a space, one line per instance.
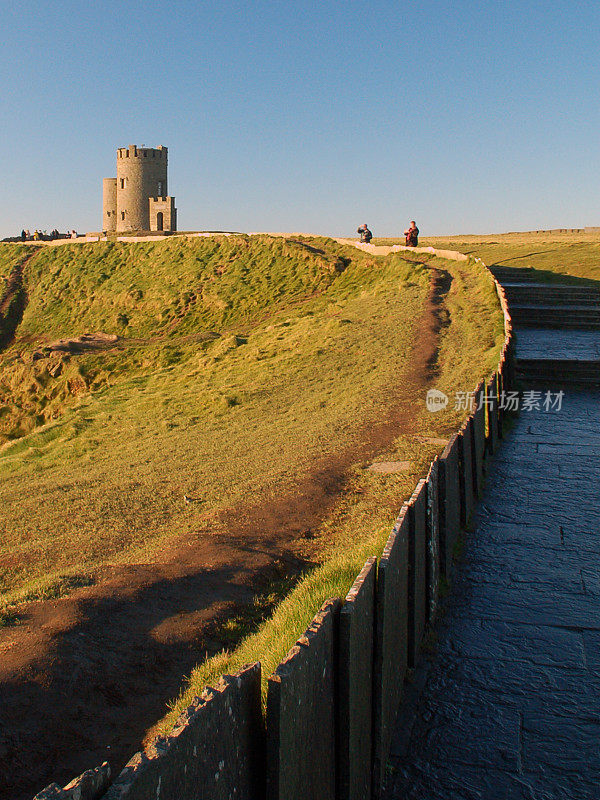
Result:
x=83 y=678
x=12 y=304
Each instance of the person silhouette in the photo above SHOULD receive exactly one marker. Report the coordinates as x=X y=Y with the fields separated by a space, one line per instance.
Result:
x=412 y=234
x=365 y=233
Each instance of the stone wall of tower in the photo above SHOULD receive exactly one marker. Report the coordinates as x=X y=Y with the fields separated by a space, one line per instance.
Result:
x=141 y=174
x=109 y=204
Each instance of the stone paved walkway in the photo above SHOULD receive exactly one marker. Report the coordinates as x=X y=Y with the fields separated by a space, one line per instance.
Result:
x=507 y=705
x=564 y=344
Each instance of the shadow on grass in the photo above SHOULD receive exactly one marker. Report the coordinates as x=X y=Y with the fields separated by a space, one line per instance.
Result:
x=535 y=275
x=105 y=677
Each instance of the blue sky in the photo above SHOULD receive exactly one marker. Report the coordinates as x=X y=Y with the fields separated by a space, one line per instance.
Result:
x=306 y=116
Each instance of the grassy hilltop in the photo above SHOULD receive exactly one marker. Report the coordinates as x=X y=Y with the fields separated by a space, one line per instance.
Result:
x=558 y=257
x=242 y=365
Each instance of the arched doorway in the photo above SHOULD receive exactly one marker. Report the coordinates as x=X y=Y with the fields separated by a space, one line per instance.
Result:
x=159 y=221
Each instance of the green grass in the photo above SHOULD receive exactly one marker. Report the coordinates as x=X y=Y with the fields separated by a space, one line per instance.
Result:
x=177 y=285
x=561 y=257
x=242 y=363
x=361 y=522
x=112 y=444
x=356 y=530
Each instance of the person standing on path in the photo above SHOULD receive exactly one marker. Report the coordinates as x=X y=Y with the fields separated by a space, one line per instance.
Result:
x=412 y=234
x=365 y=233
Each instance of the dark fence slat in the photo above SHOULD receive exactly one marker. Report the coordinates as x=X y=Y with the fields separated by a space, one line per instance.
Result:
x=500 y=386
x=301 y=700
x=478 y=439
x=449 y=502
x=466 y=472
x=391 y=645
x=491 y=404
x=216 y=749
x=88 y=786
x=509 y=361
x=355 y=709
x=433 y=539
x=416 y=511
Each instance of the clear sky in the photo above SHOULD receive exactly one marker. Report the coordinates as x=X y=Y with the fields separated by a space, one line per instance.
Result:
x=306 y=116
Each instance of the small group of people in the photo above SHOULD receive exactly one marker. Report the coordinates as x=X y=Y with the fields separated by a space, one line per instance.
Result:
x=44 y=236
x=411 y=234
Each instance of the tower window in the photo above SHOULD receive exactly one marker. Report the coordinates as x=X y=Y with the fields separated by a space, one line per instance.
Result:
x=123 y=183
x=122 y=215
x=160 y=189
x=145 y=153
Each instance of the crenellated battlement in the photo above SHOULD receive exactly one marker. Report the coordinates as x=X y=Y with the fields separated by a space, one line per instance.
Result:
x=133 y=151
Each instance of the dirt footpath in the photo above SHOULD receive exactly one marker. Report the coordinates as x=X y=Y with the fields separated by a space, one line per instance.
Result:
x=83 y=678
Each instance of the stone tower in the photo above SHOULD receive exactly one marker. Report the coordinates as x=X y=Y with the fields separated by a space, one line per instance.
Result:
x=138 y=199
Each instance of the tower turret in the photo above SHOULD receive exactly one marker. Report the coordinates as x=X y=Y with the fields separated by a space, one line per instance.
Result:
x=141 y=192
x=109 y=204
